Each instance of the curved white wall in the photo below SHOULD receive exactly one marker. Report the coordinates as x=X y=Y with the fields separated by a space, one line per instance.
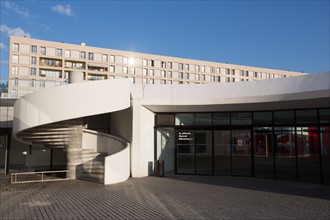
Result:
x=70 y=101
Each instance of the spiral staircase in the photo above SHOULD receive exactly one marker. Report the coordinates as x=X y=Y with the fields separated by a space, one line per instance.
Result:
x=91 y=155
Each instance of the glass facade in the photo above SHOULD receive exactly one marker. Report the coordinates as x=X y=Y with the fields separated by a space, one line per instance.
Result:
x=287 y=145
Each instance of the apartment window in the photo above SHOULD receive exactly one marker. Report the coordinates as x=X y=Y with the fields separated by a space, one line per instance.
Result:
x=133 y=80
x=186 y=76
x=197 y=77
x=180 y=75
x=125 y=60
x=227 y=79
x=233 y=79
x=169 y=82
x=144 y=62
x=15 y=70
x=14 y=82
x=169 y=74
x=212 y=69
x=112 y=69
x=203 y=69
x=132 y=70
x=218 y=70
x=13 y=92
x=255 y=74
x=170 y=65
x=32 y=83
x=273 y=76
x=212 y=78
x=16 y=47
x=152 y=63
x=227 y=71
x=82 y=55
x=241 y=72
x=42 y=83
x=180 y=66
x=67 y=53
x=151 y=72
x=33 y=49
x=144 y=81
x=242 y=80
x=197 y=68
x=187 y=67
x=151 y=81
x=163 y=74
x=33 y=71
x=267 y=75
x=163 y=81
x=203 y=77
x=43 y=50
x=131 y=61
x=104 y=57
x=218 y=79
x=144 y=72
x=91 y=56
x=34 y=60
x=112 y=77
x=246 y=73
x=125 y=69
x=163 y=64
x=112 y=58
x=180 y=82
x=15 y=59
x=233 y=72
x=59 y=52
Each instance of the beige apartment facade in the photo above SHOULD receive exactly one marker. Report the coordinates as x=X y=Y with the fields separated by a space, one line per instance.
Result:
x=36 y=64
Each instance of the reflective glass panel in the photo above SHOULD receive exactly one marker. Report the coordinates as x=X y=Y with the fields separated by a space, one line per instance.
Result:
x=241 y=152
x=222 y=158
x=261 y=118
x=185 y=152
x=325 y=153
x=263 y=152
x=221 y=118
x=203 y=119
x=184 y=119
x=241 y=118
x=203 y=147
x=285 y=159
x=306 y=116
x=307 y=145
x=283 y=117
x=165 y=148
x=325 y=115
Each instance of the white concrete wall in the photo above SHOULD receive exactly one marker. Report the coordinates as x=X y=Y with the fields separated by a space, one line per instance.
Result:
x=142 y=145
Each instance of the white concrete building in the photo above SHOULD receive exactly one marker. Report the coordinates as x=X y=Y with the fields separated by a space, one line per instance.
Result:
x=276 y=128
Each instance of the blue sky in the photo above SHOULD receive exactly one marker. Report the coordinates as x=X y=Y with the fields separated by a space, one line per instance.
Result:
x=289 y=35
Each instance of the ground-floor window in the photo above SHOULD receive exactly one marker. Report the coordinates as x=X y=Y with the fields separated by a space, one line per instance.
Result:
x=287 y=145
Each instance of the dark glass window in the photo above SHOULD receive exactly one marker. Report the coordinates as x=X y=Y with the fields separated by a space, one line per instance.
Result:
x=325 y=115
x=184 y=119
x=221 y=119
x=307 y=144
x=306 y=116
x=263 y=152
x=285 y=158
x=283 y=117
x=164 y=119
x=241 y=118
x=203 y=119
x=262 y=118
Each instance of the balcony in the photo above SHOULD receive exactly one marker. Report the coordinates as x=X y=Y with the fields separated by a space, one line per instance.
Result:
x=50 y=62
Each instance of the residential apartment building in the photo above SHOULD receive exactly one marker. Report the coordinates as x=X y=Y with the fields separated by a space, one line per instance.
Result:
x=36 y=64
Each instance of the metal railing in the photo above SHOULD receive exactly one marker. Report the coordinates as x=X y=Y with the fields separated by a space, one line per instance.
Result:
x=40 y=176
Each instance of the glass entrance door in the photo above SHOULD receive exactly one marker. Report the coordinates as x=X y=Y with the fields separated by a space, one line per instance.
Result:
x=194 y=152
x=241 y=152
x=222 y=152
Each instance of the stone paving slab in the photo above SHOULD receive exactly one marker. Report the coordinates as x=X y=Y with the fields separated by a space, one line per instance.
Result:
x=169 y=197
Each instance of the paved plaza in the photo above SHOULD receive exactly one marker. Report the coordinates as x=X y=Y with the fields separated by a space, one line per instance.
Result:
x=169 y=197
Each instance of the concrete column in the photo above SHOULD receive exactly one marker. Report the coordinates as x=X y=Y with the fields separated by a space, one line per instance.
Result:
x=74 y=150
